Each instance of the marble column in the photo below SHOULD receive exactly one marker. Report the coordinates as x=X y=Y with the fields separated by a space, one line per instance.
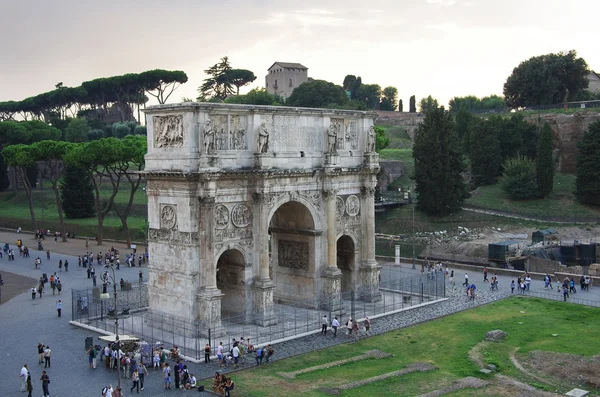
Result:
x=369 y=270
x=331 y=276
x=209 y=297
x=262 y=286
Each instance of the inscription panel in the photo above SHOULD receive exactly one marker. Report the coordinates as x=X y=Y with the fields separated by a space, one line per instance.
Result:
x=295 y=133
x=293 y=254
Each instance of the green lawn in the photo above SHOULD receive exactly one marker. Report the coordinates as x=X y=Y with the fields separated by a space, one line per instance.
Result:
x=399 y=138
x=444 y=343
x=560 y=203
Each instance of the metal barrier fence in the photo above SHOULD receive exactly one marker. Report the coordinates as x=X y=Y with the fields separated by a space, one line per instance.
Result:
x=290 y=318
x=558 y=296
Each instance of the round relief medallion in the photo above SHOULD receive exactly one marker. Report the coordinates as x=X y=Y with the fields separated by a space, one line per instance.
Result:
x=339 y=207
x=352 y=205
x=168 y=217
x=221 y=216
x=240 y=215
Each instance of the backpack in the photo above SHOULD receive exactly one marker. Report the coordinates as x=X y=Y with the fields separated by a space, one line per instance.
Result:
x=104 y=390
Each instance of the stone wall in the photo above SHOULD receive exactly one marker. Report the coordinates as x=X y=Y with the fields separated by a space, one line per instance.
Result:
x=390 y=171
x=541 y=265
x=409 y=121
x=567 y=131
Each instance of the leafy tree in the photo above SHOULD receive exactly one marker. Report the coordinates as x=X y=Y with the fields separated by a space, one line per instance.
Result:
x=217 y=86
x=160 y=84
x=427 y=104
x=390 y=99
x=240 y=78
x=463 y=122
x=317 y=94
x=587 y=182
x=77 y=195
x=77 y=130
x=412 y=104
x=352 y=83
x=519 y=179
x=49 y=156
x=438 y=164
x=120 y=130
x=20 y=157
x=516 y=136
x=544 y=165
x=94 y=135
x=370 y=94
x=545 y=80
x=256 y=96
x=400 y=106
x=485 y=154
x=381 y=141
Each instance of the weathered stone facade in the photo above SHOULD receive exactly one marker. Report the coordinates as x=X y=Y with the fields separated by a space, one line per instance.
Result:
x=250 y=205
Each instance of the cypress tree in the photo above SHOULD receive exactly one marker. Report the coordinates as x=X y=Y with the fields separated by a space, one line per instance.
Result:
x=438 y=164
x=77 y=194
x=587 y=182
x=400 y=106
x=412 y=104
x=485 y=154
x=544 y=166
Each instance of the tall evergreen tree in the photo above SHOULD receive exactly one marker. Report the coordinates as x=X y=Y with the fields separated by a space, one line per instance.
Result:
x=485 y=154
x=544 y=165
x=463 y=123
x=412 y=104
x=77 y=193
x=587 y=183
x=400 y=106
x=438 y=164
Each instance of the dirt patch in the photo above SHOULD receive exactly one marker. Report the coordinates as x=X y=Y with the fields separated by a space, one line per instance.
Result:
x=568 y=368
x=475 y=353
x=15 y=284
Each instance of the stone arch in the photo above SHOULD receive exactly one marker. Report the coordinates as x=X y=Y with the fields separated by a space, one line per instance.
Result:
x=347 y=261
x=316 y=215
x=231 y=279
x=294 y=242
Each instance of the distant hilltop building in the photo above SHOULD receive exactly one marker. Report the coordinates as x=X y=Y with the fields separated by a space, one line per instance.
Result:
x=284 y=77
x=594 y=82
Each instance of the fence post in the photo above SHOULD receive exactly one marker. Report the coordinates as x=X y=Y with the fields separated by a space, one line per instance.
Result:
x=352 y=305
x=421 y=291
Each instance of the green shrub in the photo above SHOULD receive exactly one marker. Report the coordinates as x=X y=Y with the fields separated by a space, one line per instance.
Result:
x=519 y=178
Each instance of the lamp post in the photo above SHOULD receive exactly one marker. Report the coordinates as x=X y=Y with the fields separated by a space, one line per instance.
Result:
x=413 y=228
x=105 y=295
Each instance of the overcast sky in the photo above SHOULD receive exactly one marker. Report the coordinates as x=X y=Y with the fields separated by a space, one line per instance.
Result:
x=442 y=48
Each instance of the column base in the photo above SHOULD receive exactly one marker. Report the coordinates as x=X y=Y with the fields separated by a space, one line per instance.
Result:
x=369 y=282
x=262 y=297
x=209 y=313
x=331 y=296
x=263 y=160
x=371 y=160
x=332 y=159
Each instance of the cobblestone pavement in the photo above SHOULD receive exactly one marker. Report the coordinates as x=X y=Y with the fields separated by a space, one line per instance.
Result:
x=24 y=322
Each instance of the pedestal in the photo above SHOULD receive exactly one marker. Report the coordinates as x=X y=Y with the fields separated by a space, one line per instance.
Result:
x=262 y=293
x=331 y=297
x=371 y=160
x=332 y=159
x=369 y=282
x=209 y=313
x=263 y=160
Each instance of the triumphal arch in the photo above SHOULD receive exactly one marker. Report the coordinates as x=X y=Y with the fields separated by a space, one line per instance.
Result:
x=253 y=205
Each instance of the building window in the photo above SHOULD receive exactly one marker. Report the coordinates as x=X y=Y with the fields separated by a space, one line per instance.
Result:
x=275 y=85
x=267 y=85
x=291 y=85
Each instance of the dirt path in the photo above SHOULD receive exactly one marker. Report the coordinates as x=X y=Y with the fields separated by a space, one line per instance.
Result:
x=14 y=285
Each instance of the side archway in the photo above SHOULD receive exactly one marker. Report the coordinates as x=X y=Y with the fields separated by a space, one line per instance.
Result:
x=231 y=267
x=346 y=261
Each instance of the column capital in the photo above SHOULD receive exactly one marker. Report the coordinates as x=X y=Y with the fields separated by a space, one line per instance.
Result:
x=330 y=193
x=368 y=191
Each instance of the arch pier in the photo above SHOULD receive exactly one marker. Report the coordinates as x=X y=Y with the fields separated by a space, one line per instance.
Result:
x=251 y=206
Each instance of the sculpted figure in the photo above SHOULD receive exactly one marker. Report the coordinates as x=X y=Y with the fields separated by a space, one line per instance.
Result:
x=263 y=139
x=209 y=137
x=332 y=133
x=371 y=140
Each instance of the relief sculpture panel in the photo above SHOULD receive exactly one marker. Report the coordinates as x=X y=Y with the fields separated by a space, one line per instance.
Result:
x=351 y=135
x=168 y=131
x=293 y=254
x=240 y=215
x=221 y=216
x=219 y=123
x=237 y=133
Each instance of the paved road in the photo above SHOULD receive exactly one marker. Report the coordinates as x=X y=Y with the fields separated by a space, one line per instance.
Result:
x=24 y=322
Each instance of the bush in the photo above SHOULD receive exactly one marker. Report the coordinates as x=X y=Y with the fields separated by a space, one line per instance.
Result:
x=120 y=130
x=519 y=179
x=140 y=130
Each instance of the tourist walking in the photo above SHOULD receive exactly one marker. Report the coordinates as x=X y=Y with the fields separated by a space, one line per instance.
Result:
x=29 y=385
x=324 y=324
x=167 y=376
x=142 y=372
x=270 y=352
x=512 y=286
x=40 y=350
x=59 y=307
x=206 y=354
x=47 y=355
x=335 y=325
x=367 y=325
x=45 y=382
x=24 y=374
x=466 y=283
x=135 y=379
x=485 y=273
x=220 y=354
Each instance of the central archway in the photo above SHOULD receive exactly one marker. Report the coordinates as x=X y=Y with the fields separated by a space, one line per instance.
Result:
x=346 y=261
x=230 y=280
x=293 y=242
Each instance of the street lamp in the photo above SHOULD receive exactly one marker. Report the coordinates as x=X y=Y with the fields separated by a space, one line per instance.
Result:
x=413 y=228
x=106 y=277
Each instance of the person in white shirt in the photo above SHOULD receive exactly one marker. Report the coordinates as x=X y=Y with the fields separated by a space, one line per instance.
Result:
x=236 y=356
x=109 y=391
x=192 y=381
x=335 y=324
x=220 y=354
x=24 y=375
